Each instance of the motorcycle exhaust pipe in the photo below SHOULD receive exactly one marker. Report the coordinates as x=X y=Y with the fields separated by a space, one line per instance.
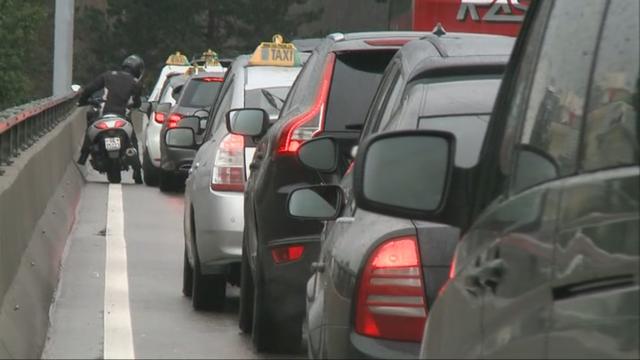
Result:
x=131 y=152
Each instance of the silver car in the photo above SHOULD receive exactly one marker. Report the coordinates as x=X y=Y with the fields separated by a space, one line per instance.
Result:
x=214 y=198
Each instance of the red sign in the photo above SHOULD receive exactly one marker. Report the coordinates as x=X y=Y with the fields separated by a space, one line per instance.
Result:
x=502 y=17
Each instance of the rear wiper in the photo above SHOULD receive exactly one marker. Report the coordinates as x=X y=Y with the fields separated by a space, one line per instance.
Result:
x=272 y=99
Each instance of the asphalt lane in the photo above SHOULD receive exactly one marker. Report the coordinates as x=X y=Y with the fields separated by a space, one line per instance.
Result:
x=163 y=323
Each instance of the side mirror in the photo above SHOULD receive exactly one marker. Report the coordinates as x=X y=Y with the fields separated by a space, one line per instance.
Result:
x=180 y=137
x=75 y=87
x=191 y=122
x=247 y=122
x=163 y=108
x=320 y=154
x=405 y=173
x=318 y=202
x=145 y=107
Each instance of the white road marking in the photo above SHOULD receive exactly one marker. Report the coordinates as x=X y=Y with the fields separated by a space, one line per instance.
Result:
x=118 y=337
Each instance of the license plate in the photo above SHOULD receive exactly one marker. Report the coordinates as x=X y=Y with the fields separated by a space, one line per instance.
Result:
x=111 y=144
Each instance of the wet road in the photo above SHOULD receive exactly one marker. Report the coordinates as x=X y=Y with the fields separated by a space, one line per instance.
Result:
x=150 y=319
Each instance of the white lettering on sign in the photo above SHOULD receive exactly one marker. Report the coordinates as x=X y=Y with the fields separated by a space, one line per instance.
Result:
x=499 y=10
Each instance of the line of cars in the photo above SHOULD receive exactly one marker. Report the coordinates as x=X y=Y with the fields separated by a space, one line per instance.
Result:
x=432 y=194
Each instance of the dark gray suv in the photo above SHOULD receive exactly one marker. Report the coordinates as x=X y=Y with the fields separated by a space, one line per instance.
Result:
x=549 y=262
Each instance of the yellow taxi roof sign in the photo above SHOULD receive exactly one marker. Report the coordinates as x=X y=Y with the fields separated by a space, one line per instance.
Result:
x=177 y=59
x=210 y=58
x=275 y=53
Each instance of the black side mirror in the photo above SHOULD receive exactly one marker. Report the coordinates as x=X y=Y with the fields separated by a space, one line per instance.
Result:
x=180 y=137
x=405 y=173
x=248 y=121
x=203 y=115
x=317 y=202
x=320 y=154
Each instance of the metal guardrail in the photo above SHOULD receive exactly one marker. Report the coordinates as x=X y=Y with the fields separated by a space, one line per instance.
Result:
x=22 y=126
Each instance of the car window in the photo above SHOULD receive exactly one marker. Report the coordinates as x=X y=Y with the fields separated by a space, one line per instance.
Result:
x=380 y=100
x=221 y=107
x=199 y=93
x=469 y=131
x=554 y=110
x=356 y=76
x=171 y=83
x=390 y=104
x=611 y=129
x=269 y=99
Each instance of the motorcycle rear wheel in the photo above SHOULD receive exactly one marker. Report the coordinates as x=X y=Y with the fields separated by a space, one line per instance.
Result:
x=113 y=173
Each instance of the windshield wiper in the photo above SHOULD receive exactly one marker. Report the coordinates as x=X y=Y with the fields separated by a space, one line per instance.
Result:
x=272 y=99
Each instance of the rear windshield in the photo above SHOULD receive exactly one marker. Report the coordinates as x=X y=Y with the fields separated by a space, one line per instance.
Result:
x=200 y=93
x=269 y=99
x=171 y=83
x=355 y=80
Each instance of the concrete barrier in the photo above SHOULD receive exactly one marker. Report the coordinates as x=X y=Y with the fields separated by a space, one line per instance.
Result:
x=39 y=193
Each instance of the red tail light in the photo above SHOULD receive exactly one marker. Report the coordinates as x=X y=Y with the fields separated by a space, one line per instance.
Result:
x=119 y=123
x=159 y=117
x=387 y=42
x=288 y=253
x=211 y=79
x=102 y=125
x=228 y=168
x=391 y=296
x=174 y=119
x=311 y=122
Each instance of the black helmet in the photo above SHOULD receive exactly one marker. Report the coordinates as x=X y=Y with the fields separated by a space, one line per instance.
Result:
x=134 y=65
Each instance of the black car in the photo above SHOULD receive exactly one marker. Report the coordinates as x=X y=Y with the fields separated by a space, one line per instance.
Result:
x=197 y=95
x=549 y=262
x=360 y=303
x=330 y=96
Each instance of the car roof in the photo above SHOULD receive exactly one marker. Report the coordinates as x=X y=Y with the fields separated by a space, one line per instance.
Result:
x=359 y=41
x=204 y=74
x=266 y=76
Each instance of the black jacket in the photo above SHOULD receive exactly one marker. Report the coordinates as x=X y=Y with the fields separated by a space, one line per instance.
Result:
x=119 y=87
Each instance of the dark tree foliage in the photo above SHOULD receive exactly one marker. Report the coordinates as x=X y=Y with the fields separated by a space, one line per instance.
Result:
x=20 y=24
x=155 y=28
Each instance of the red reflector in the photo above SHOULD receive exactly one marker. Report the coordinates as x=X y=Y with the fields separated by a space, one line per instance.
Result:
x=174 y=119
x=211 y=79
x=159 y=117
x=102 y=125
x=391 y=296
x=387 y=42
x=288 y=253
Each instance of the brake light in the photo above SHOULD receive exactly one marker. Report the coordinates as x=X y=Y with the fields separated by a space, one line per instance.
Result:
x=452 y=268
x=102 y=125
x=387 y=42
x=287 y=253
x=119 y=123
x=391 y=301
x=174 y=119
x=211 y=79
x=311 y=122
x=159 y=117
x=228 y=168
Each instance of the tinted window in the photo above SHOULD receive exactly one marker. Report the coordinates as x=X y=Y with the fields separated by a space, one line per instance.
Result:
x=172 y=82
x=356 y=76
x=390 y=104
x=269 y=99
x=469 y=131
x=554 y=113
x=380 y=100
x=199 y=93
x=611 y=131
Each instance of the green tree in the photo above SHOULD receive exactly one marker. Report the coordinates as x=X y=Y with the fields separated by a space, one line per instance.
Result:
x=20 y=21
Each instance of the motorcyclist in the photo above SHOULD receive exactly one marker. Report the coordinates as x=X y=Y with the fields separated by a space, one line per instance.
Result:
x=119 y=87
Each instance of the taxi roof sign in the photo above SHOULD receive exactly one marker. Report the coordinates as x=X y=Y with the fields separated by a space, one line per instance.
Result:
x=177 y=59
x=275 y=53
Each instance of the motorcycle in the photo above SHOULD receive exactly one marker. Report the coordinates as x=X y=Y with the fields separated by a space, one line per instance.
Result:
x=110 y=138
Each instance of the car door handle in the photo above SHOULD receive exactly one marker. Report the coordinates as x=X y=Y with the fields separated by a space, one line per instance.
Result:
x=317 y=267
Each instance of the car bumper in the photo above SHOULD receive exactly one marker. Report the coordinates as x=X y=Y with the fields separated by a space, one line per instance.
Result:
x=286 y=283
x=364 y=347
x=177 y=160
x=152 y=142
x=219 y=224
